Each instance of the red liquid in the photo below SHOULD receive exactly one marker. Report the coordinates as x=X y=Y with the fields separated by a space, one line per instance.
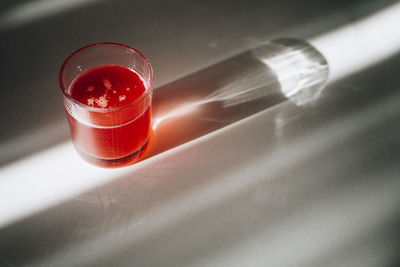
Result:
x=116 y=134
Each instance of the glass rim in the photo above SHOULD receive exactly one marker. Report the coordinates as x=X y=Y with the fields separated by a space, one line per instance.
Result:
x=104 y=110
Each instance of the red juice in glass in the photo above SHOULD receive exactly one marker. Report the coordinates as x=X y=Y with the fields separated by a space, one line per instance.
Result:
x=108 y=104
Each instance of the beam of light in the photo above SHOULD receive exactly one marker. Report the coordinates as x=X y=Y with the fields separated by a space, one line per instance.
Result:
x=34 y=10
x=179 y=111
x=361 y=44
x=45 y=179
x=33 y=140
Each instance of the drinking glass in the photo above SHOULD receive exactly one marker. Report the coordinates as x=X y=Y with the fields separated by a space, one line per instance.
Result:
x=113 y=136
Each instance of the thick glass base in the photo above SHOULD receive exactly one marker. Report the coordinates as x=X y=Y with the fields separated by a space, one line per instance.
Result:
x=114 y=163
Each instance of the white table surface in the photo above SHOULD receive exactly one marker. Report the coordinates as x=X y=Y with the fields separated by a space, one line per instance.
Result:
x=316 y=185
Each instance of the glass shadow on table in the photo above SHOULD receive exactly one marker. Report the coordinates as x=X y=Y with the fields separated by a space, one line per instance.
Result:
x=234 y=89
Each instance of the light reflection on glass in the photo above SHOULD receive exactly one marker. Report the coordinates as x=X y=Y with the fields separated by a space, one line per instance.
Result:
x=300 y=68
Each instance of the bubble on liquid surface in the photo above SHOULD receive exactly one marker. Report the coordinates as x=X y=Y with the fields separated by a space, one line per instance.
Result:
x=90 y=88
x=90 y=101
x=107 y=84
x=122 y=97
x=102 y=101
x=128 y=89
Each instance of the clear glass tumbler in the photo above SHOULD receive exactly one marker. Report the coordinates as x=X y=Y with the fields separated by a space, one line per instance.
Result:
x=108 y=136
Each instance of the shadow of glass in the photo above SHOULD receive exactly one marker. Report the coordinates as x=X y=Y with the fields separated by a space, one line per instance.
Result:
x=215 y=97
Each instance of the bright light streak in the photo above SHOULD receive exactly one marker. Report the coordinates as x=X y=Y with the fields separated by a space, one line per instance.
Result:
x=45 y=179
x=177 y=112
x=361 y=44
x=34 y=10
